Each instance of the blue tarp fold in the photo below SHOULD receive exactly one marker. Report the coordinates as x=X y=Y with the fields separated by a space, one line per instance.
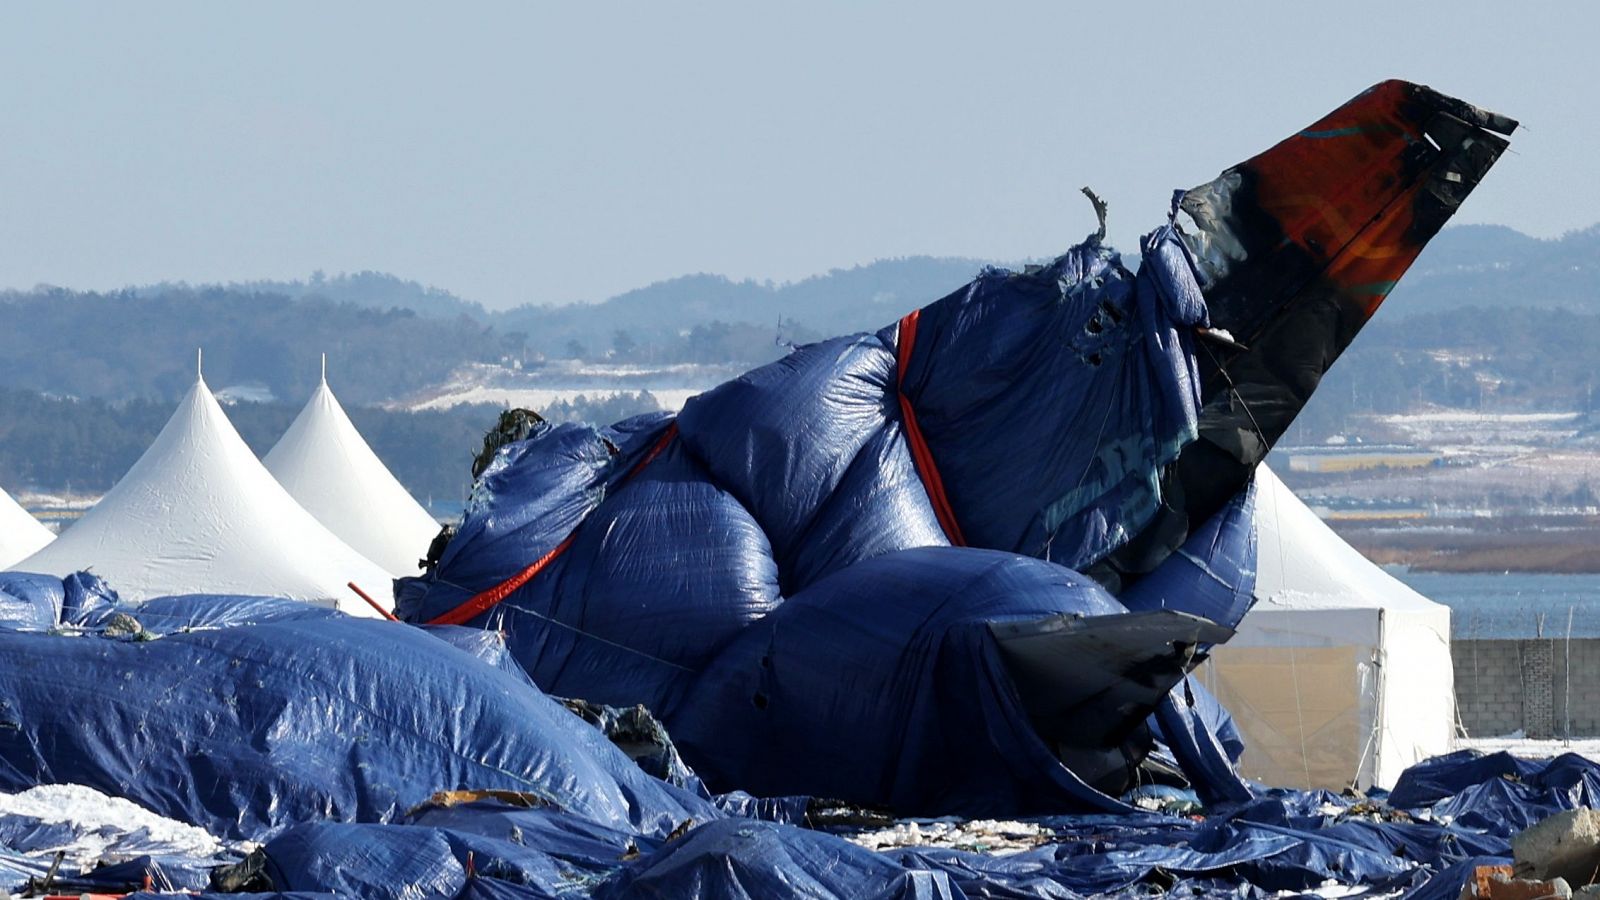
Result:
x=302 y=717
x=672 y=550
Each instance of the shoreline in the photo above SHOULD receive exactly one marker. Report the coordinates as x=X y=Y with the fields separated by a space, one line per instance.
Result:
x=1569 y=551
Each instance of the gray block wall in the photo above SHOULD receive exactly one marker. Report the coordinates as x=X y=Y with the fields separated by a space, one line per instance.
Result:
x=1504 y=686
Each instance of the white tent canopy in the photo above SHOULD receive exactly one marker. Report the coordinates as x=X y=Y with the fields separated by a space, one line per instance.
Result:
x=1340 y=674
x=325 y=465
x=20 y=533
x=199 y=514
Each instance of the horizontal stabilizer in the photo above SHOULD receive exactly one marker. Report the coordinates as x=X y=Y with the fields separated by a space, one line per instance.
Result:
x=1089 y=682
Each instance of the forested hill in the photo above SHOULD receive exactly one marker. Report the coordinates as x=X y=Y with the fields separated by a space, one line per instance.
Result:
x=387 y=337
x=373 y=290
x=141 y=344
x=1493 y=267
x=662 y=317
x=55 y=443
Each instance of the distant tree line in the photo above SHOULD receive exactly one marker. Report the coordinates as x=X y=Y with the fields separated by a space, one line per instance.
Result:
x=131 y=345
x=1501 y=360
x=63 y=444
x=1487 y=319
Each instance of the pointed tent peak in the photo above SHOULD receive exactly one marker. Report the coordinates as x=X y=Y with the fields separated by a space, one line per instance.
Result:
x=200 y=365
x=199 y=418
x=323 y=402
x=324 y=370
x=323 y=462
x=21 y=534
x=199 y=514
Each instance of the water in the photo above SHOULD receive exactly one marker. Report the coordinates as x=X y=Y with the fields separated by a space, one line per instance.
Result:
x=1509 y=605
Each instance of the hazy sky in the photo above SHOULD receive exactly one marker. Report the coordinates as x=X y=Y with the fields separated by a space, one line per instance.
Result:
x=530 y=152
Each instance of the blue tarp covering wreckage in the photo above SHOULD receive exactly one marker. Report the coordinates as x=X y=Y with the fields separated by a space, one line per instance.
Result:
x=960 y=566
x=338 y=738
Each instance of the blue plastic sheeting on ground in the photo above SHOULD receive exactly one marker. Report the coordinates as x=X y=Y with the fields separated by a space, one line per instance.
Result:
x=544 y=853
x=17 y=868
x=269 y=895
x=249 y=729
x=1447 y=884
x=32 y=602
x=743 y=860
x=398 y=862
x=784 y=810
x=1445 y=776
x=27 y=853
x=1284 y=841
x=85 y=594
x=171 y=874
x=1290 y=841
x=913 y=707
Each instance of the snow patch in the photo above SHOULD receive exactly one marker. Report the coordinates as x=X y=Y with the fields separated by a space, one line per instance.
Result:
x=992 y=836
x=103 y=828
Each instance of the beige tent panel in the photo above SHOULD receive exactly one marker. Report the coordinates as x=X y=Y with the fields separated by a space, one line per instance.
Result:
x=1299 y=710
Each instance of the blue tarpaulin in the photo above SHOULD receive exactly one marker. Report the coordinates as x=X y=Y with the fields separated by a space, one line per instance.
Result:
x=647 y=563
x=1286 y=841
x=914 y=709
x=302 y=715
x=214 y=728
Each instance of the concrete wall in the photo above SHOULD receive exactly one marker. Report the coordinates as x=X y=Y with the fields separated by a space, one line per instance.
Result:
x=1506 y=685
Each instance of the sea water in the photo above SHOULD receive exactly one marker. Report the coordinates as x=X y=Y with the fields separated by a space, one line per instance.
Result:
x=1512 y=604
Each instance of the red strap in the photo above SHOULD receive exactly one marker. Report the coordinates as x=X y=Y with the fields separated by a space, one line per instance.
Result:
x=660 y=445
x=481 y=602
x=920 y=454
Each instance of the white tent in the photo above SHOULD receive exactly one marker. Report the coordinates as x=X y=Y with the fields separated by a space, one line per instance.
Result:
x=326 y=466
x=20 y=533
x=1341 y=674
x=198 y=513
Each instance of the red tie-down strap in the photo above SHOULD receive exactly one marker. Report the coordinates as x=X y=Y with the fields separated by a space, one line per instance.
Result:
x=920 y=454
x=483 y=601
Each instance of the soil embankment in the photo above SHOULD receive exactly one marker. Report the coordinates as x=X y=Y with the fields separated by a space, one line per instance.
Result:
x=1566 y=547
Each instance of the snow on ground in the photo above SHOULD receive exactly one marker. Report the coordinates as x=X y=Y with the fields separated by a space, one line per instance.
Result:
x=556 y=381
x=671 y=399
x=102 y=827
x=991 y=836
x=1479 y=419
x=1469 y=434
x=33 y=500
x=1517 y=745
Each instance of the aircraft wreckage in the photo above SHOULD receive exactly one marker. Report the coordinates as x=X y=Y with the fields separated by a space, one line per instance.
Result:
x=963 y=564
